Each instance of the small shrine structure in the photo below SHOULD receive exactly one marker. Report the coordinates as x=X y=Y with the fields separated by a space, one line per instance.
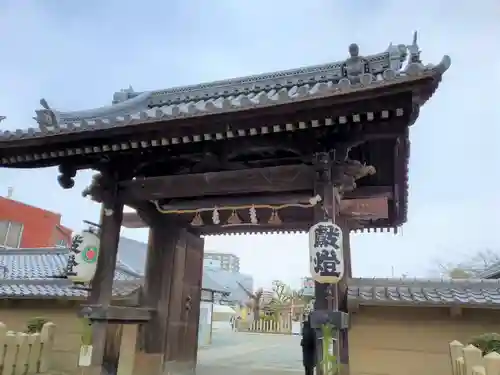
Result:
x=269 y=153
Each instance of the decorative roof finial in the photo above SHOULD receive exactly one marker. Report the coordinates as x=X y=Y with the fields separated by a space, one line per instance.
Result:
x=45 y=117
x=123 y=95
x=44 y=104
x=413 y=50
x=355 y=67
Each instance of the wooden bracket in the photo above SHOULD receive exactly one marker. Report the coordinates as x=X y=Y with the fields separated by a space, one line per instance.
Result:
x=116 y=314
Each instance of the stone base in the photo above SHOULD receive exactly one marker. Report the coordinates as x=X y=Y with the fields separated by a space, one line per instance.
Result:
x=344 y=369
x=148 y=364
x=179 y=368
x=92 y=370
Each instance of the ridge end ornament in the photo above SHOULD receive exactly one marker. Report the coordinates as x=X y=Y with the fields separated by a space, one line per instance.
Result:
x=326 y=258
x=46 y=117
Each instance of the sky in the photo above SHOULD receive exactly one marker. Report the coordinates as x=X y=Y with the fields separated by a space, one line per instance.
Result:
x=77 y=54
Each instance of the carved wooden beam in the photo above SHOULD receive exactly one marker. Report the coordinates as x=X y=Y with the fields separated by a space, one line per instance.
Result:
x=116 y=314
x=255 y=180
x=212 y=202
x=270 y=199
x=368 y=208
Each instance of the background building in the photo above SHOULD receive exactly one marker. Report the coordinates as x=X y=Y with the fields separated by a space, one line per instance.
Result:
x=227 y=261
x=25 y=226
x=308 y=286
x=236 y=286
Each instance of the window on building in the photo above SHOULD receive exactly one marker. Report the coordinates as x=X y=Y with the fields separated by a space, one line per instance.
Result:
x=62 y=243
x=10 y=234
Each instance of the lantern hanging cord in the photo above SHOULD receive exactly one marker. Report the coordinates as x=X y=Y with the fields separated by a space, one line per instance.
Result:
x=313 y=201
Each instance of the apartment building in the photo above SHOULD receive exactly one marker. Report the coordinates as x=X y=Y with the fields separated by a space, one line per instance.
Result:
x=25 y=226
x=226 y=261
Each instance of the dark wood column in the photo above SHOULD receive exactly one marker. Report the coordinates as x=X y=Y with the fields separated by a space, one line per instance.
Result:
x=168 y=342
x=320 y=290
x=182 y=339
x=102 y=284
x=331 y=177
x=342 y=290
x=157 y=293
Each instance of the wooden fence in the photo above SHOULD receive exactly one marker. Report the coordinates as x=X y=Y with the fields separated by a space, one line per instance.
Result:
x=23 y=353
x=469 y=360
x=283 y=326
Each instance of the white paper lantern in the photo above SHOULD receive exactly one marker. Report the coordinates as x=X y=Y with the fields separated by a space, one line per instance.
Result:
x=326 y=258
x=83 y=256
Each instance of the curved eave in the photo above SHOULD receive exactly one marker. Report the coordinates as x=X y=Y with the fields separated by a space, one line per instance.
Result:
x=62 y=145
x=403 y=185
x=295 y=94
x=381 y=225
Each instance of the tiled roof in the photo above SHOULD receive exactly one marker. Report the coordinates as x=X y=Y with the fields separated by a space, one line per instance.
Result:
x=132 y=255
x=42 y=264
x=492 y=272
x=56 y=289
x=424 y=292
x=265 y=90
x=28 y=273
x=231 y=282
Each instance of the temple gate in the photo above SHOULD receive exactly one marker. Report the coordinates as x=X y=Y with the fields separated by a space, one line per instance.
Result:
x=270 y=153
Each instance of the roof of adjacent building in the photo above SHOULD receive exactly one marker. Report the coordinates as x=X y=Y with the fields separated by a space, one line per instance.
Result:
x=27 y=273
x=492 y=272
x=132 y=255
x=32 y=273
x=257 y=91
x=396 y=292
x=236 y=285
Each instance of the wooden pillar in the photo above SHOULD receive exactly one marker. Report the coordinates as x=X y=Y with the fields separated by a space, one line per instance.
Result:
x=156 y=294
x=169 y=341
x=184 y=316
x=343 y=294
x=325 y=294
x=333 y=297
x=321 y=188
x=102 y=284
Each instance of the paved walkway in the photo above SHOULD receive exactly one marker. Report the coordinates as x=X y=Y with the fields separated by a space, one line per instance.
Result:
x=250 y=354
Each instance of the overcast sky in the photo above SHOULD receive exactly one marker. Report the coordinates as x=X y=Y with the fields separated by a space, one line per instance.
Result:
x=76 y=54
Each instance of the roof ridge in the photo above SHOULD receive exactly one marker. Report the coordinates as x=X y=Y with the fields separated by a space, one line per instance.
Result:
x=125 y=268
x=34 y=251
x=389 y=282
x=31 y=206
x=394 y=52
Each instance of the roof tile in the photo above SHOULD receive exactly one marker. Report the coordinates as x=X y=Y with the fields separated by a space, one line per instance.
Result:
x=269 y=89
x=424 y=292
x=30 y=273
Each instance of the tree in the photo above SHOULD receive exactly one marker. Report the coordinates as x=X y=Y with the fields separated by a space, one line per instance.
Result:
x=281 y=298
x=282 y=293
x=254 y=300
x=471 y=267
